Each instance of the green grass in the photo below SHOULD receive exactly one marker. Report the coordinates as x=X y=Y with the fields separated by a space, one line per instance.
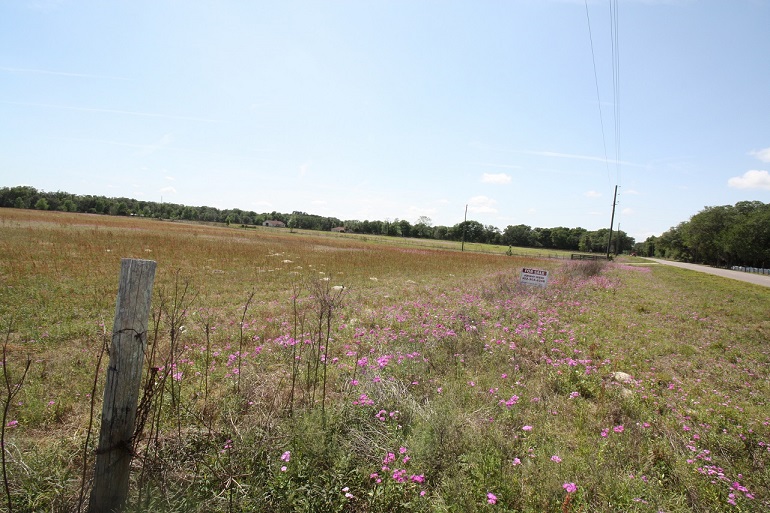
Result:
x=472 y=247
x=438 y=357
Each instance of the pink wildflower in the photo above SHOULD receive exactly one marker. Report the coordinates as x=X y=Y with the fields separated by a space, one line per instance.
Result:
x=569 y=487
x=491 y=498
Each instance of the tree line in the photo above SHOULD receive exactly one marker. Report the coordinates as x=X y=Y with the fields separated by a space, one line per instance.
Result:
x=521 y=235
x=724 y=236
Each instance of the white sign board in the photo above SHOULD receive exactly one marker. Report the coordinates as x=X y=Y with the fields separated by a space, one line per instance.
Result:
x=534 y=277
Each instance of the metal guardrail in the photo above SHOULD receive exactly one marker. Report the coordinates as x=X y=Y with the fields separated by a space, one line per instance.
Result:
x=753 y=270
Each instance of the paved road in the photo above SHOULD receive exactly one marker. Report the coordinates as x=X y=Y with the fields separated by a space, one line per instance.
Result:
x=757 y=279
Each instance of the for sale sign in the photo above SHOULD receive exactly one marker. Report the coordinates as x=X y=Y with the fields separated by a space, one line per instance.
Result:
x=534 y=277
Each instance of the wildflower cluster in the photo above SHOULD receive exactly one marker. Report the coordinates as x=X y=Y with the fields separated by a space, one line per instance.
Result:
x=395 y=472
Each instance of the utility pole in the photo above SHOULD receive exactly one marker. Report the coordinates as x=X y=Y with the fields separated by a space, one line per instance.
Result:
x=612 y=221
x=465 y=221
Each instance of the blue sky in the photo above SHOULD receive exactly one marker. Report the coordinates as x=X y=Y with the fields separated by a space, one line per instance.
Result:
x=390 y=109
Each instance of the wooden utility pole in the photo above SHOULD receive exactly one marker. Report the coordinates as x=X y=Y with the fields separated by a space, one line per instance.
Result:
x=612 y=221
x=121 y=391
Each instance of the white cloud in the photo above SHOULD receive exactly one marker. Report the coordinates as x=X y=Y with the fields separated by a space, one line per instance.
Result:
x=303 y=169
x=170 y=178
x=497 y=178
x=753 y=179
x=482 y=205
x=593 y=194
x=631 y=191
x=169 y=190
x=628 y=211
x=763 y=155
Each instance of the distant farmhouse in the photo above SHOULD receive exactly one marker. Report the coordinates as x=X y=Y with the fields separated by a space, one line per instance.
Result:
x=340 y=229
x=274 y=224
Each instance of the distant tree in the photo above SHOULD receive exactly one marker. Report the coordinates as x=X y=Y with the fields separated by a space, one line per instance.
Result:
x=706 y=232
x=441 y=233
x=21 y=196
x=208 y=214
x=722 y=235
x=586 y=243
x=520 y=235
x=405 y=228
x=671 y=243
x=746 y=237
x=352 y=226
x=119 y=208
x=375 y=227
x=646 y=248
x=560 y=238
x=41 y=204
x=393 y=229
x=492 y=234
x=542 y=237
x=423 y=228
x=470 y=231
x=575 y=234
x=68 y=206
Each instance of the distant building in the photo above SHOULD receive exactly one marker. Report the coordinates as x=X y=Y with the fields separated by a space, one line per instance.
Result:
x=274 y=224
x=339 y=229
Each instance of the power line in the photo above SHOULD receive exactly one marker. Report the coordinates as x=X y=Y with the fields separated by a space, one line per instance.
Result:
x=615 y=45
x=614 y=31
x=598 y=97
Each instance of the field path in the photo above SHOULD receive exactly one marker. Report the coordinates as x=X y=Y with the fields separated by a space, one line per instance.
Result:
x=757 y=279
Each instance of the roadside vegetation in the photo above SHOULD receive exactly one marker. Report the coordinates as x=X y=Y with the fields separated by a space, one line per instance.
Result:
x=724 y=236
x=293 y=372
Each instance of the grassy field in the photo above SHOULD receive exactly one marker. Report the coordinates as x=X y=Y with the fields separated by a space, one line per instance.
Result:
x=473 y=247
x=308 y=372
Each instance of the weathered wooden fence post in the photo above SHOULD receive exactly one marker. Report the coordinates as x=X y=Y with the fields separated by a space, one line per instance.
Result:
x=121 y=391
